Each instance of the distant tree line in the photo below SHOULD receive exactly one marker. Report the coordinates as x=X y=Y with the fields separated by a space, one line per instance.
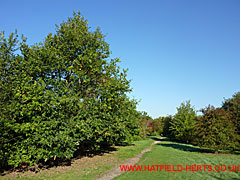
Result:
x=217 y=128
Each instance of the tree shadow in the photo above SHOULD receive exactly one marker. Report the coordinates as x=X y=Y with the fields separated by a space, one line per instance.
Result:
x=215 y=177
x=218 y=178
x=193 y=148
x=156 y=139
x=58 y=161
x=185 y=147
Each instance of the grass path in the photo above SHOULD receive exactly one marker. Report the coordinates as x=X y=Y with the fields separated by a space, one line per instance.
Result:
x=171 y=153
x=112 y=173
x=163 y=153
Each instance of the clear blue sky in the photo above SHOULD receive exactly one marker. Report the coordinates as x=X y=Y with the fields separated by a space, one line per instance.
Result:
x=175 y=50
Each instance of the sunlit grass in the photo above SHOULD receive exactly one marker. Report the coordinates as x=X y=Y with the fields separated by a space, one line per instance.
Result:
x=171 y=153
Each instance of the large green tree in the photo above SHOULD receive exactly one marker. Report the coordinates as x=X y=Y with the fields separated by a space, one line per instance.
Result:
x=62 y=96
x=233 y=106
x=166 y=124
x=216 y=130
x=183 y=125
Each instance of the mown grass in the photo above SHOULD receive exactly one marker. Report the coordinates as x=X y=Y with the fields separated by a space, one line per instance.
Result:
x=172 y=153
x=86 y=168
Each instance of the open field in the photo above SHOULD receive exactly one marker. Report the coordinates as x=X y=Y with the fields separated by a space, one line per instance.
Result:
x=171 y=153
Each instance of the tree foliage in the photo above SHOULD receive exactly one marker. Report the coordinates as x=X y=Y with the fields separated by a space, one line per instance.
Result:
x=161 y=126
x=145 y=123
x=216 y=130
x=62 y=95
x=183 y=125
x=166 y=124
x=232 y=105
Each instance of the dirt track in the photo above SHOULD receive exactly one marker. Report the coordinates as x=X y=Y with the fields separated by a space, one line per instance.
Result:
x=116 y=171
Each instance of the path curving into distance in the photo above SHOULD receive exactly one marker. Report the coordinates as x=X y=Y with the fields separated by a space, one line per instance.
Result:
x=116 y=171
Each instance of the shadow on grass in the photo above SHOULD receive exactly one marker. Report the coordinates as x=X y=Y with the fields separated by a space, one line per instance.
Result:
x=156 y=139
x=185 y=147
x=215 y=177
x=58 y=161
x=82 y=152
x=192 y=148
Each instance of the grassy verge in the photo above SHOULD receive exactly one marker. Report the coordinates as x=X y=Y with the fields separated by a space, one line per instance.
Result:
x=171 y=153
x=86 y=167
